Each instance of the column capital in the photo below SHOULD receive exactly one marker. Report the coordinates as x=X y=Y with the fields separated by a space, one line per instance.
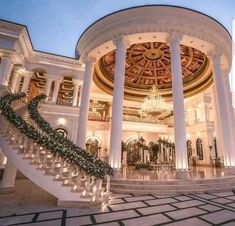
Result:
x=77 y=82
x=121 y=42
x=58 y=79
x=89 y=59
x=174 y=37
x=215 y=54
x=6 y=57
x=21 y=71
x=28 y=74
x=49 y=77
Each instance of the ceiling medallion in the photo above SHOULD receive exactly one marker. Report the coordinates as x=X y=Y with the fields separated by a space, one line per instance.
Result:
x=154 y=104
x=153 y=54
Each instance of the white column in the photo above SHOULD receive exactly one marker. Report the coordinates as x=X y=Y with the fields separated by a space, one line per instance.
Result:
x=117 y=106
x=5 y=70
x=9 y=175
x=230 y=108
x=218 y=136
x=17 y=88
x=15 y=82
x=2 y=157
x=85 y=101
x=49 y=81
x=26 y=82
x=56 y=90
x=80 y=96
x=178 y=103
x=76 y=85
x=222 y=110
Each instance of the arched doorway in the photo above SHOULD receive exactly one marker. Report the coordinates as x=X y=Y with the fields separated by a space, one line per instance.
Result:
x=92 y=145
x=189 y=151
x=199 y=149
x=132 y=149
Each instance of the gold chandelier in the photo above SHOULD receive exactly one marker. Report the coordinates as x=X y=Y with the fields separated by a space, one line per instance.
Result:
x=154 y=104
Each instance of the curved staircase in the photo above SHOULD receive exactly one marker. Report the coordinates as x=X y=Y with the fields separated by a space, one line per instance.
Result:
x=56 y=172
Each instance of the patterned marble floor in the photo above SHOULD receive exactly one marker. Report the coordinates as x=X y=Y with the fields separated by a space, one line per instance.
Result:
x=29 y=205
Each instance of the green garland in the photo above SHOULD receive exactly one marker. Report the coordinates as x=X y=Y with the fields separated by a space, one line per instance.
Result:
x=46 y=141
x=67 y=144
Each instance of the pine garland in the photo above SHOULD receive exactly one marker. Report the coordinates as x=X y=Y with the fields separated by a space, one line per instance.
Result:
x=48 y=142
x=67 y=144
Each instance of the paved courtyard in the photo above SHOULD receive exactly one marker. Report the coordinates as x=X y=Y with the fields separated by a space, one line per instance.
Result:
x=29 y=205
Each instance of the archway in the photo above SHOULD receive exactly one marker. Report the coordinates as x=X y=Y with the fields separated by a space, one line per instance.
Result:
x=92 y=145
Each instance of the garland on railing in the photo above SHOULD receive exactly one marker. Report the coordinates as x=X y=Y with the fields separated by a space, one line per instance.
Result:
x=47 y=142
x=67 y=144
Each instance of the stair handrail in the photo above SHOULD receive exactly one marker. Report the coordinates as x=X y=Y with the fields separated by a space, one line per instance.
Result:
x=63 y=141
x=43 y=140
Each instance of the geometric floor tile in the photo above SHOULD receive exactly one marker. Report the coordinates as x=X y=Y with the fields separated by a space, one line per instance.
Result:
x=130 y=205
x=185 y=213
x=156 y=209
x=183 y=198
x=219 y=216
x=39 y=209
x=210 y=207
x=106 y=217
x=191 y=221
x=222 y=200
x=147 y=221
x=160 y=201
x=186 y=204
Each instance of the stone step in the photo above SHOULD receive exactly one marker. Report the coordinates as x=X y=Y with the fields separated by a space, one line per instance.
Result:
x=173 y=186
x=174 y=182
x=170 y=188
x=170 y=192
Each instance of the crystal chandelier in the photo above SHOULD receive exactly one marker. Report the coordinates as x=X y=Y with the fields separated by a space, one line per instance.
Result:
x=154 y=104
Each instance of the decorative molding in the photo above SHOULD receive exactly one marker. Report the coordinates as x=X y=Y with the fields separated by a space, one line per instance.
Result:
x=197 y=30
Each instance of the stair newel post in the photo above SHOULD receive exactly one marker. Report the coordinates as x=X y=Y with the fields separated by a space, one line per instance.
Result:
x=31 y=147
x=44 y=163
x=70 y=175
x=37 y=154
x=87 y=187
x=20 y=141
x=78 y=180
x=25 y=144
x=52 y=170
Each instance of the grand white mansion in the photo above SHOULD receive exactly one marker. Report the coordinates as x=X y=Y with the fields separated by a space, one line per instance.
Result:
x=141 y=76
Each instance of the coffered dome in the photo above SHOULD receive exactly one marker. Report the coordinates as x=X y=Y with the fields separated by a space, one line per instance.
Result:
x=148 y=64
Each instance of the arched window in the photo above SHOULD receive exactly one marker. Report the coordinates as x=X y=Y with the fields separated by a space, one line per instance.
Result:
x=62 y=131
x=92 y=145
x=189 y=149
x=133 y=155
x=199 y=148
x=215 y=147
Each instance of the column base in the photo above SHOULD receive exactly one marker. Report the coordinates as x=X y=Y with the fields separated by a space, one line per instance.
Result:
x=117 y=174
x=228 y=171
x=6 y=190
x=182 y=175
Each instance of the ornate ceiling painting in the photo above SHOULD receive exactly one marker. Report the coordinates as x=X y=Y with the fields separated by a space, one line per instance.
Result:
x=148 y=64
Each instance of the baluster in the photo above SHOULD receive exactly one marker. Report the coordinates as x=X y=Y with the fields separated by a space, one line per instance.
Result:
x=108 y=185
x=44 y=162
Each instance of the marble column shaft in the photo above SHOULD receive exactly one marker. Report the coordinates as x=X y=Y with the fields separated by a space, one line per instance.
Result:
x=178 y=103
x=85 y=101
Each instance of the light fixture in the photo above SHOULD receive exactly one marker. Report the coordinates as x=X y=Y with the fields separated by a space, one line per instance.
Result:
x=154 y=104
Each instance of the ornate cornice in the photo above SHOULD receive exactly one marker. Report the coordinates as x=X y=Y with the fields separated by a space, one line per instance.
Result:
x=197 y=30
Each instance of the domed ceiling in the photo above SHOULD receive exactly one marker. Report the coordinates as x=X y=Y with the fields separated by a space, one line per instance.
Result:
x=148 y=64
